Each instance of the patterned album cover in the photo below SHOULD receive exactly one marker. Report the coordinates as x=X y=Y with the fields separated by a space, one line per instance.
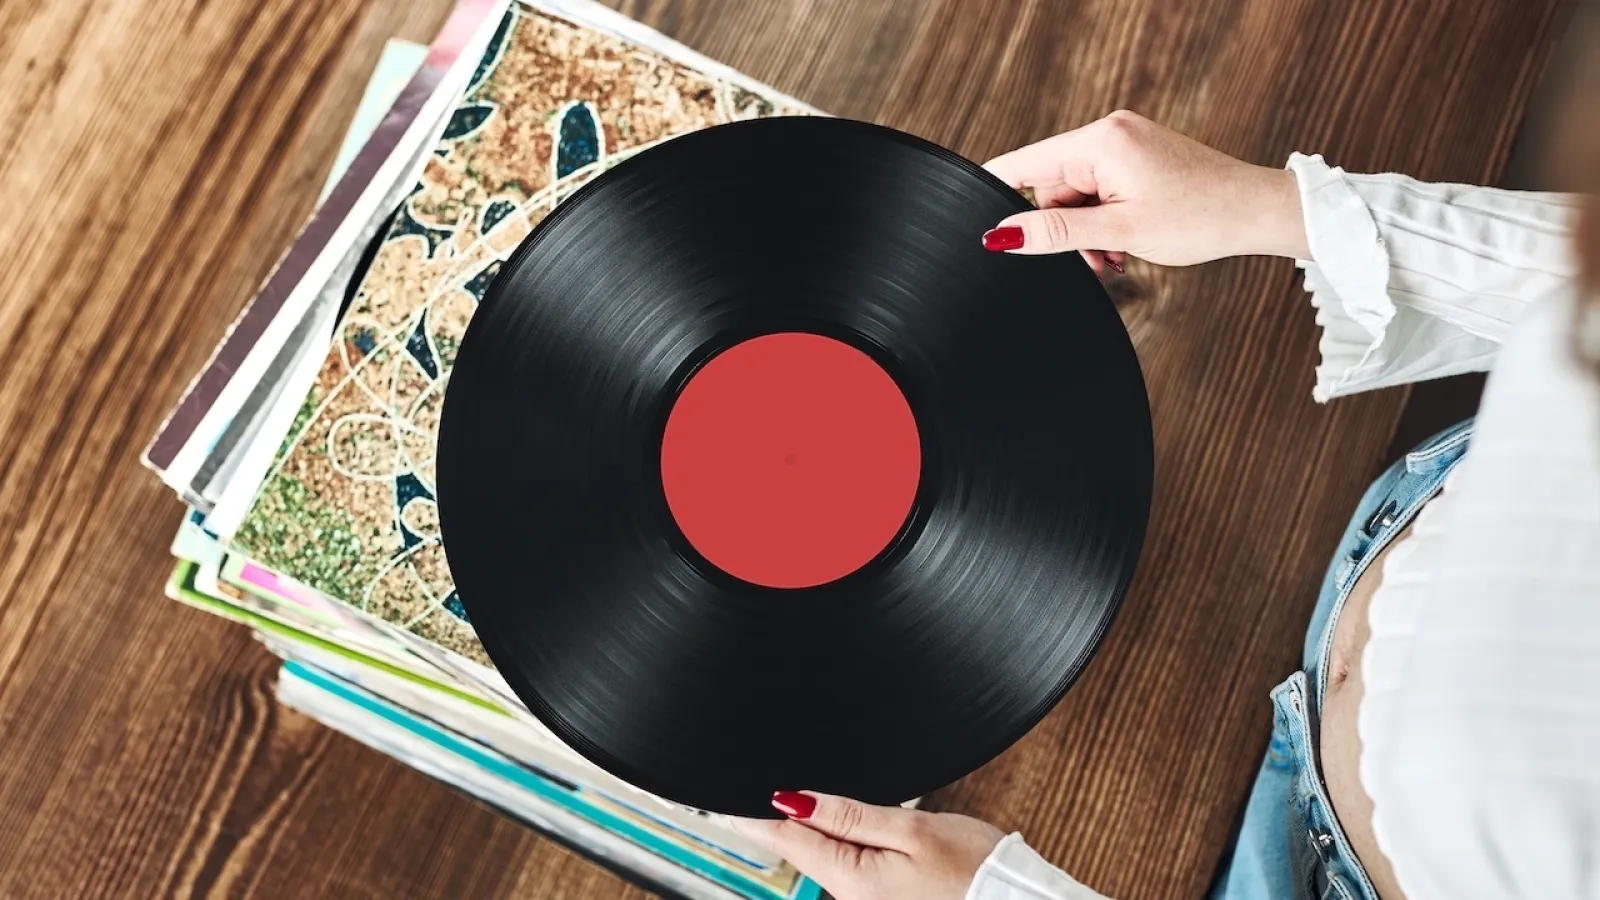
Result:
x=348 y=505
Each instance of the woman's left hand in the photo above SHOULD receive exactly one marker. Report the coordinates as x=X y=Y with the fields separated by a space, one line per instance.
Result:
x=862 y=852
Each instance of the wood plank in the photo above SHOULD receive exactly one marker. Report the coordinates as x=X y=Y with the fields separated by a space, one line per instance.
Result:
x=158 y=154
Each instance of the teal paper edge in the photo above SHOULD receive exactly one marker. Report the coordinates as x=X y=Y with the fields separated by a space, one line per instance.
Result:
x=809 y=890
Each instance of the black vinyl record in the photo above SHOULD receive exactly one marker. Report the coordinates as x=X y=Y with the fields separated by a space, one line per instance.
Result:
x=868 y=579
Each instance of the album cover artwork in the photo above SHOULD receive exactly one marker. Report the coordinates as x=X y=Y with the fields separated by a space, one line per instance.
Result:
x=348 y=505
x=377 y=174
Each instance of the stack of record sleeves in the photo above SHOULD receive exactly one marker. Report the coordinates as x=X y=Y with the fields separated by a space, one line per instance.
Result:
x=305 y=447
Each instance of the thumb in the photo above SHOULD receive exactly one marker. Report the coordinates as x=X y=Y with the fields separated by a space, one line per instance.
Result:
x=827 y=861
x=1058 y=229
x=887 y=827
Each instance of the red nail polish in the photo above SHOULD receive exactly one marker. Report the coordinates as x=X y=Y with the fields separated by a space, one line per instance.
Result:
x=794 y=804
x=1006 y=238
x=1115 y=266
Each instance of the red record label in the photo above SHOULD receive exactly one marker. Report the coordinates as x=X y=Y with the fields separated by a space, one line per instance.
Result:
x=790 y=460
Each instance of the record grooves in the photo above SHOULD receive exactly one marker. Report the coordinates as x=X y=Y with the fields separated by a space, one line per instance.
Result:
x=919 y=589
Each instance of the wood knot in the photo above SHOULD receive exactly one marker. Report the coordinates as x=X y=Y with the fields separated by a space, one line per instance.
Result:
x=1125 y=290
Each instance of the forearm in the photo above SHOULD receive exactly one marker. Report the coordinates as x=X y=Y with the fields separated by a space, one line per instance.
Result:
x=1271 y=221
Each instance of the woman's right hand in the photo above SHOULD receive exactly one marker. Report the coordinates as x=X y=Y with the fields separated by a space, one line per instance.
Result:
x=1125 y=185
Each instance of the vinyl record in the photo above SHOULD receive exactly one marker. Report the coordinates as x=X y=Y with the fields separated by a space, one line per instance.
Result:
x=757 y=472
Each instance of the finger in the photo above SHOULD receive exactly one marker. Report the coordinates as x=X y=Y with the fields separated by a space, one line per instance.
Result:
x=1058 y=230
x=826 y=861
x=1063 y=159
x=886 y=827
x=1059 y=195
x=1117 y=260
x=1095 y=259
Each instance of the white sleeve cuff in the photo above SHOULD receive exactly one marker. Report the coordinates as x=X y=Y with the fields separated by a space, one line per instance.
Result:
x=1014 y=871
x=1349 y=280
x=1413 y=281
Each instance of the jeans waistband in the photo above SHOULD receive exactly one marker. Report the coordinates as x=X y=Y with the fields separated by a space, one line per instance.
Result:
x=1324 y=863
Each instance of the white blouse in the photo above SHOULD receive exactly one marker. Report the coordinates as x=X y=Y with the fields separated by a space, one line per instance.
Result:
x=1480 y=717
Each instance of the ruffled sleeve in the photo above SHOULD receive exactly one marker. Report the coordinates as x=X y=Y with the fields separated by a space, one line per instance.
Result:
x=1013 y=871
x=1413 y=281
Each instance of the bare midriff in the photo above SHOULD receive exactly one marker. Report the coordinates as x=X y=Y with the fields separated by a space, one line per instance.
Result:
x=1340 y=750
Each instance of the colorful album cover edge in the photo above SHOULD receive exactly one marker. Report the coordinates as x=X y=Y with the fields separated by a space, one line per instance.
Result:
x=495 y=763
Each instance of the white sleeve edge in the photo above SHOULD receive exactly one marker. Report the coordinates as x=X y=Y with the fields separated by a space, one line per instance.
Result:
x=1347 y=276
x=1013 y=871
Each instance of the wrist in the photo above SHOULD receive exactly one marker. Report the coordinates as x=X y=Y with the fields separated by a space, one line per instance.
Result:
x=1276 y=225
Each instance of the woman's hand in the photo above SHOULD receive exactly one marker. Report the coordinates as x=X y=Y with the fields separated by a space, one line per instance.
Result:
x=861 y=852
x=1124 y=184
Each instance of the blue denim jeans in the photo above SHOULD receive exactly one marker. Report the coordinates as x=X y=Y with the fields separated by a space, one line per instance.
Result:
x=1289 y=843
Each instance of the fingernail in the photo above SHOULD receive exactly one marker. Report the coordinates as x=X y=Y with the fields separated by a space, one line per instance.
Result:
x=1115 y=266
x=1008 y=237
x=794 y=804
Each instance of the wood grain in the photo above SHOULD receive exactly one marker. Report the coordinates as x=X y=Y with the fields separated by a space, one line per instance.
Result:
x=156 y=155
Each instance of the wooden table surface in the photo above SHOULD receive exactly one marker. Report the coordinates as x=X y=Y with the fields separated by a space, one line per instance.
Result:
x=155 y=157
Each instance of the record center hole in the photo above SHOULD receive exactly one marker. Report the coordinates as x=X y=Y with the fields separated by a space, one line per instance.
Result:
x=784 y=397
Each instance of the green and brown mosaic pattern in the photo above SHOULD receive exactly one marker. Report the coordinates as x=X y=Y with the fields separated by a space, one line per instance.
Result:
x=348 y=507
